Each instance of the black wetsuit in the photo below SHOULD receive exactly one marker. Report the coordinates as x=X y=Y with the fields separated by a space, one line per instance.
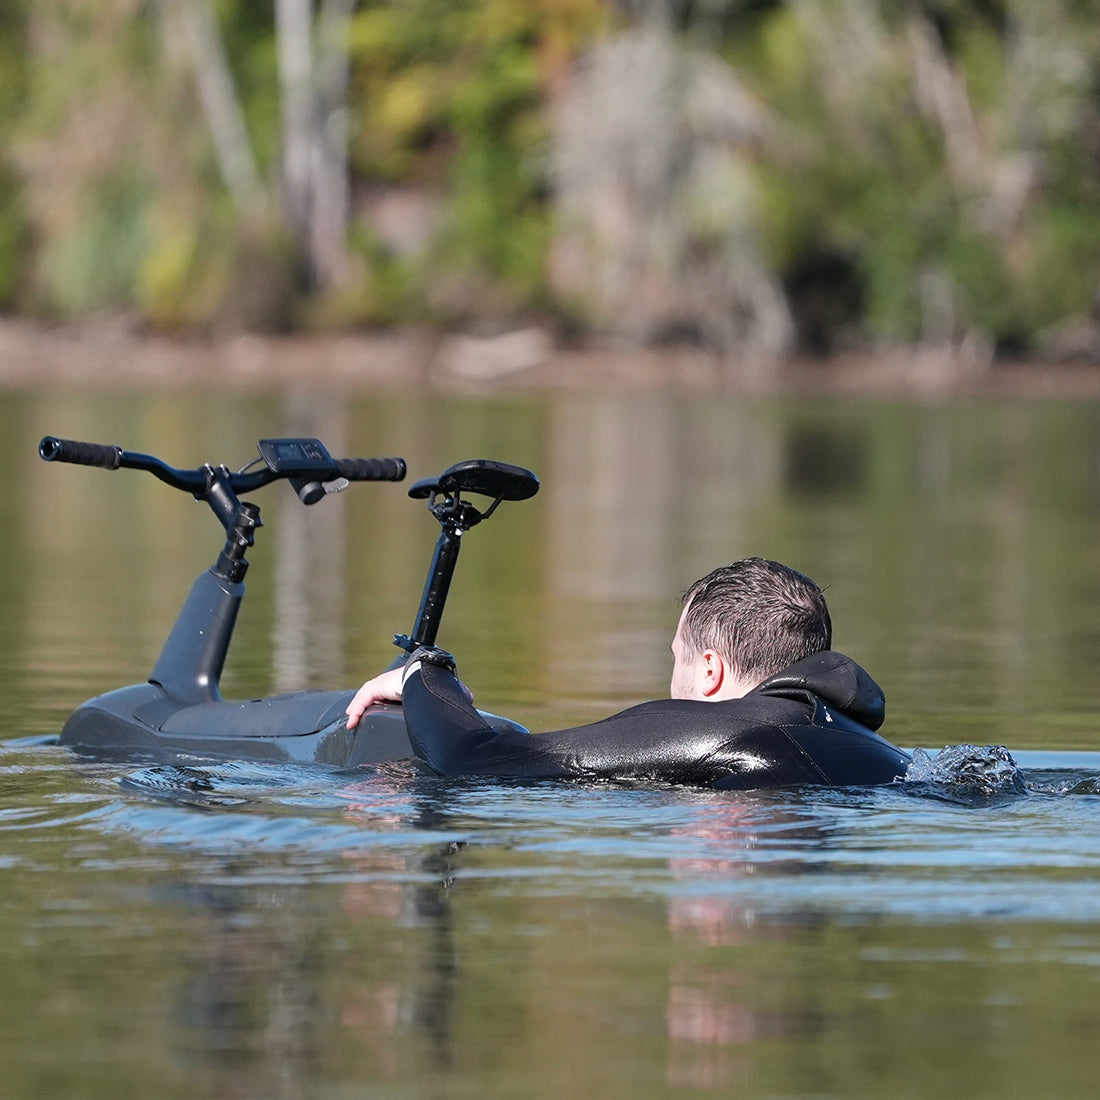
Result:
x=812 y=723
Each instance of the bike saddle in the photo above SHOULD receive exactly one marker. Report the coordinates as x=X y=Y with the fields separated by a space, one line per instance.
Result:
x=479 y=475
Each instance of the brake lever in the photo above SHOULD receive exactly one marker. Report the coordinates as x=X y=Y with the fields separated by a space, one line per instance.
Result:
x=310 y=492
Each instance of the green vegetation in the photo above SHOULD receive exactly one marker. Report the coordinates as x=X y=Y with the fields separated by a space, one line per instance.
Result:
x=944 y=165
x=896 y=171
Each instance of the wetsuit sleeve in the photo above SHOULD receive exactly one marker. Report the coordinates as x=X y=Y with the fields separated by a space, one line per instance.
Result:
x=452 y=738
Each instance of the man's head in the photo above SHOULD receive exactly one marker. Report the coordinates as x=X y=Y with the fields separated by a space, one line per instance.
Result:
x=741 y=624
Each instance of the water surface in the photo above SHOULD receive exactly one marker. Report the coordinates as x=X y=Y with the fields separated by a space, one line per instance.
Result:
x=289 y=931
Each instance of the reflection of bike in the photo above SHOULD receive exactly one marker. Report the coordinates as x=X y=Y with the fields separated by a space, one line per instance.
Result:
x=179 y=711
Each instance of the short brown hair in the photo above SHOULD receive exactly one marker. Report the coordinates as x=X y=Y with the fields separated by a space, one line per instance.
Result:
x=759 y=615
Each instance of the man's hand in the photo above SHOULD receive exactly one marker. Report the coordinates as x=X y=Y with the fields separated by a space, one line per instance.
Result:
x=384 y=688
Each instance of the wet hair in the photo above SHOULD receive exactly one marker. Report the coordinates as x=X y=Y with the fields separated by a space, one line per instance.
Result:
x=759 y=615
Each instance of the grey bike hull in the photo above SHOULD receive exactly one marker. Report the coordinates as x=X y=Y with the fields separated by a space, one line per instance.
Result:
x=143 y=721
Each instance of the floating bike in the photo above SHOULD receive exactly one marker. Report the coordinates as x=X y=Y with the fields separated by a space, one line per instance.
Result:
x=178 y=713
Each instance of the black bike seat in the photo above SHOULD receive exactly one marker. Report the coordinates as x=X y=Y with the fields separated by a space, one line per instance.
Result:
x=498 y=480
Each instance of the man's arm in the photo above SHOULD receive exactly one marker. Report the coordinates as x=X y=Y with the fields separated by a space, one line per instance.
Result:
x=665 y=739
x=452 y=738
x=758 y=741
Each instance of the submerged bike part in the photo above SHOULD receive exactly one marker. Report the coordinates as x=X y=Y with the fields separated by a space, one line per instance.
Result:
x=191 y=662
x=484 y=477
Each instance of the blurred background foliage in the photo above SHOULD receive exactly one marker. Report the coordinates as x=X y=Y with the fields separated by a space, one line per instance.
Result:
x=766 y=176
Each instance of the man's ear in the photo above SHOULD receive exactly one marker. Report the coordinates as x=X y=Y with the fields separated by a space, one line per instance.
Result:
x=712 y=673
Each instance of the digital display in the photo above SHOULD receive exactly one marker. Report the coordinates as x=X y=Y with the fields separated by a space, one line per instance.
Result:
x=289 y=455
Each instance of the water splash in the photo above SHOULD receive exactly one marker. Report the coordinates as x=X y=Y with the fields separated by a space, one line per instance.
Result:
x=967 y=771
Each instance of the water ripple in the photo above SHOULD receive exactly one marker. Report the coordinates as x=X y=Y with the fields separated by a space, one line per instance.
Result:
x=916 y=849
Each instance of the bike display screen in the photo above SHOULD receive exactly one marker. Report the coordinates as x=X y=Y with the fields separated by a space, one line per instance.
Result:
x=295 y=455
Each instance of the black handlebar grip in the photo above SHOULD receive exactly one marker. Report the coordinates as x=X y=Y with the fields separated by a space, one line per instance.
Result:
x=52 y=449
x=371 y=469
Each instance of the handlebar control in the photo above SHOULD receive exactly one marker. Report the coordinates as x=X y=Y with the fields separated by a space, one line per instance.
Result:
x=296 y=456
x=103 y=455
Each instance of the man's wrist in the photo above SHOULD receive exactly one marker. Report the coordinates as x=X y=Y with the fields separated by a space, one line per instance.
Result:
x=428 y=655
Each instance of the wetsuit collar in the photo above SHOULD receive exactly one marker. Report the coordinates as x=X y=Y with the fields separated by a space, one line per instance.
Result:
x=837 y=681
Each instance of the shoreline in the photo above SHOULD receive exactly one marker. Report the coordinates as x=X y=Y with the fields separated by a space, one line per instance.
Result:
x=106 y=354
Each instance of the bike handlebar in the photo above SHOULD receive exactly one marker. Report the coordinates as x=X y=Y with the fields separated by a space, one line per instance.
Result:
x=198 y=481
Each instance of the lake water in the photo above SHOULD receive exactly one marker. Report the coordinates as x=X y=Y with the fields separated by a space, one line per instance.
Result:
x=292 y=931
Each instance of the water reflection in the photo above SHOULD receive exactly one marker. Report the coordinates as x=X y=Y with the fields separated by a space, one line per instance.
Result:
x=826 y=459
x=436 y=934
x=301 y=932
x=306 y=930
x=724 y=916
x=431 y=877
x=263 y=987
x=709 y=1021
x=246 y=1004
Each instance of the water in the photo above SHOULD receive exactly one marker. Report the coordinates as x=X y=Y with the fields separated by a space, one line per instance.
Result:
x=287 y=931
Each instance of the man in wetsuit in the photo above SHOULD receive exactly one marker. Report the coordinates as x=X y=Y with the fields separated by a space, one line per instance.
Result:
x=758 y=699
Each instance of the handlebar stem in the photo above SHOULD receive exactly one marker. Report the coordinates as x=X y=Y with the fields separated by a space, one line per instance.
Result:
x=239 y=518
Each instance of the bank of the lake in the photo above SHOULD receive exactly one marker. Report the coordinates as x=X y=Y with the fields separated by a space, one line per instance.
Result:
x=112 y=352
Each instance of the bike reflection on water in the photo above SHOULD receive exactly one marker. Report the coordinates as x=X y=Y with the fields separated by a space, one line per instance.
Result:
x=425 y=1005
x=267 y=998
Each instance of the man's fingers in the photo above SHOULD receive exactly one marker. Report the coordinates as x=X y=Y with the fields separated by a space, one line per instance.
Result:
x=357 y=707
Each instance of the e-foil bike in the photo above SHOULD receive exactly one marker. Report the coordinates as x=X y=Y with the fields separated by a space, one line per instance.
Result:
x=178 y=713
